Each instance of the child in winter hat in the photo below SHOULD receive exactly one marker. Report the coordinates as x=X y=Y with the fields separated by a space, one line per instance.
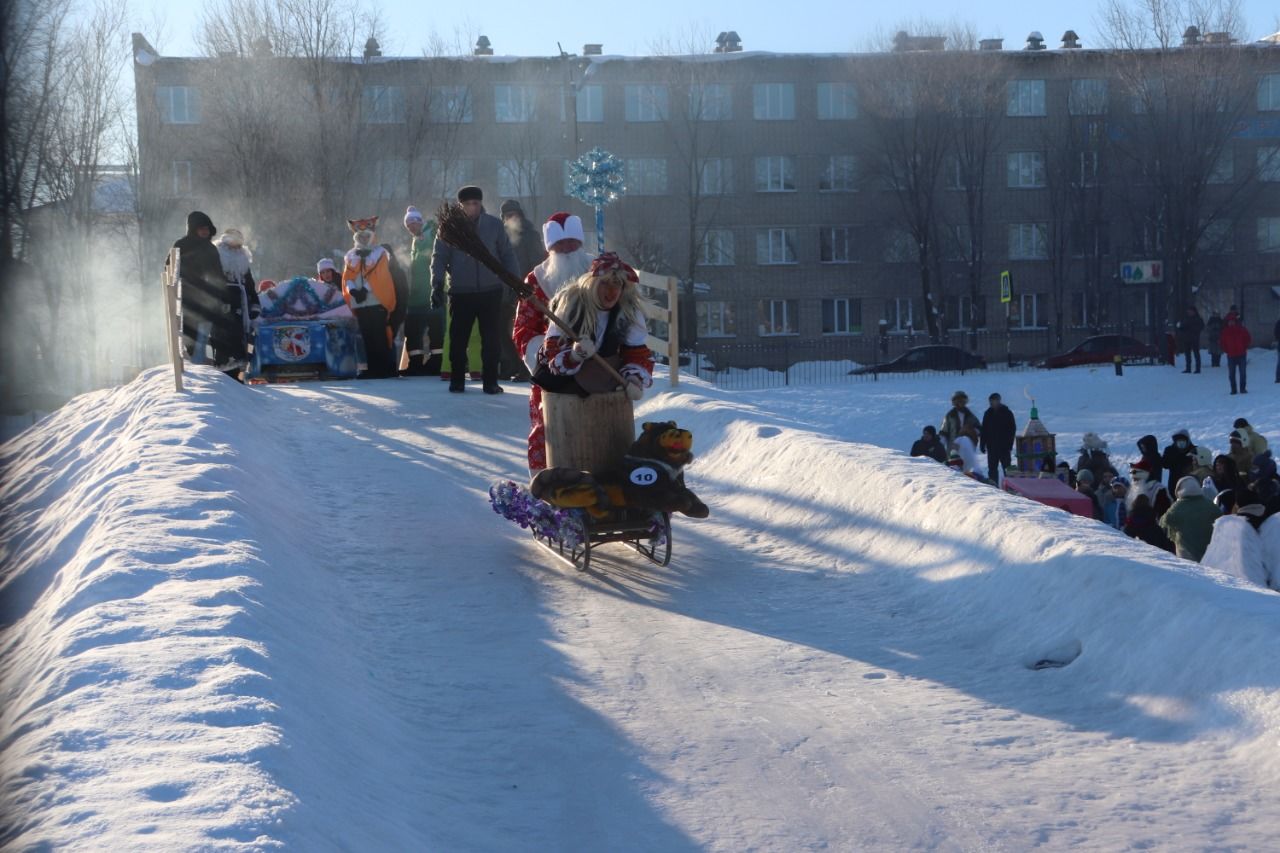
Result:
x=412 y=214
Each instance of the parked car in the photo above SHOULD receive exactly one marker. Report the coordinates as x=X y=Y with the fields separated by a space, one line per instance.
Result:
x=1103 y=349
x=929 y=357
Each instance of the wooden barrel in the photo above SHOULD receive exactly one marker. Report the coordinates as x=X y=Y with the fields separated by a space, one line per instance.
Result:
x=587 y=433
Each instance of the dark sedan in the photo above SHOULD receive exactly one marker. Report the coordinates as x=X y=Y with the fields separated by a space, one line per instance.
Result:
x=1103 y=349
x=931 y=357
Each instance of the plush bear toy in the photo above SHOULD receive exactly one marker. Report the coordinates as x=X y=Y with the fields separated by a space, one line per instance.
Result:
x=650 y=477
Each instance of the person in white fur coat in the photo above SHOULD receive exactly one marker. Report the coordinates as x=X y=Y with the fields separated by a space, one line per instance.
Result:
x=236 y=262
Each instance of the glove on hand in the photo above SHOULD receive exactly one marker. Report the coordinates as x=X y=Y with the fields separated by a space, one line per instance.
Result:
x=583 y=350
x=633 y=389
x=437 y=298
x=359 y=295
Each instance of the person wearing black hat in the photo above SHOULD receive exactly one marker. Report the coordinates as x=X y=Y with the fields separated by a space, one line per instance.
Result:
x=474 y=292
x=928 y=444
x=209 y=311
x=998 y=432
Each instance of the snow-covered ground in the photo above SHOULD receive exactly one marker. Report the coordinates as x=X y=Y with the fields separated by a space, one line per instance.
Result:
x=285 y=616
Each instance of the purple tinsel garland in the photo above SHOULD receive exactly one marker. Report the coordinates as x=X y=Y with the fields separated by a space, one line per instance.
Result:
x=513 y=502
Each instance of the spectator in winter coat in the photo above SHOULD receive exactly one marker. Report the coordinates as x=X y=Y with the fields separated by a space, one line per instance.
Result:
x=370 y=292
x=1149 y=447
x=956 y=419
x=207 y=318
x=1263 y=481
x=1179 y=458
x=928 y=444
x=235 y=259
x=475 y=293
x=423 y=325
x=1085 y=486
x=1224 y=476
x=1143 y=523
x=1065 y=474
x=1235 y=344
x=526 y=242
x=1253 y=442
x=1213 y=332
x=1093 y=456
x=1144 y=484
x=996 y=437
x=1189 y=522
x=1240 y=454
x=1189 y=329
x=1114 y=511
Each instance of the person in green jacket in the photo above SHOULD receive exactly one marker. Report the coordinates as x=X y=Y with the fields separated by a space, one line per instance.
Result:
x=424 y=326
x=1189 y=522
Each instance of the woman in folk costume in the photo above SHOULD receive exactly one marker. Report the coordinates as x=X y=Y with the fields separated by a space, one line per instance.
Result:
x=371 y=294
x=604 y=311
x=565 y=263
x=235 y=269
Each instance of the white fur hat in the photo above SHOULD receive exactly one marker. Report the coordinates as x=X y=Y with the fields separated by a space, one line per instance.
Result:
x=412 y=214
x=562 y=226
x=325 y=264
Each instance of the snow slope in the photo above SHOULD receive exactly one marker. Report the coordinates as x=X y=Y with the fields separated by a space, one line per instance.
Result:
x=249 y=618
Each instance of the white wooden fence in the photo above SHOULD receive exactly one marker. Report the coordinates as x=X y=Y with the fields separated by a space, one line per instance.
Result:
x=651 y=286
x=173 y=313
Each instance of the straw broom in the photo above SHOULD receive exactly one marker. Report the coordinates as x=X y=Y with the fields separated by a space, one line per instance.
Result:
x=455 y=228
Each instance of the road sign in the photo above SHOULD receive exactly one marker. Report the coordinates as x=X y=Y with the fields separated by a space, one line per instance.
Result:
x=1006 y=286
x=1142 y=272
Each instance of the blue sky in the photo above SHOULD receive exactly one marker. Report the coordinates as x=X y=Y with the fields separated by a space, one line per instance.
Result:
x=533 y=29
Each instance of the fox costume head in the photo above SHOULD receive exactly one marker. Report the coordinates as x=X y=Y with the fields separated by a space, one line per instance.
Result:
x=362 y=231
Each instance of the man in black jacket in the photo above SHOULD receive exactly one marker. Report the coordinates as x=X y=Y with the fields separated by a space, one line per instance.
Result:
x=996 y=438
x=1189 y=330
x=928 y=444
x=208 y=311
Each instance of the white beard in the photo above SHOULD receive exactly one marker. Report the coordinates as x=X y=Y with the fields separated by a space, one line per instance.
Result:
x=560 y=269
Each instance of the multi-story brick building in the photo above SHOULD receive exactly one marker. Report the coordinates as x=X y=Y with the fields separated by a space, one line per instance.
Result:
x=791 y=192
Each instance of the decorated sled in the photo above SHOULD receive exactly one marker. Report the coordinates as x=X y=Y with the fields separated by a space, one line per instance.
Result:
x=600 y=486
x=305 y=331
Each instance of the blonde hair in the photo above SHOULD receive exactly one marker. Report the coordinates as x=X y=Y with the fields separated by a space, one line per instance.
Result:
x=577 y=304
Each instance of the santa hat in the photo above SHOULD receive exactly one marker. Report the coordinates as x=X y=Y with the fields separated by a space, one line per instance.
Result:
x=325 y=264
x=1141 y=465
x=562 y=226
x=411 y=214
x=265 y=285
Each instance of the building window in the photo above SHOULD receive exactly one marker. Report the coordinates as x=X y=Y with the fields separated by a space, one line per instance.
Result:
x=1089 y=165
x=1269 y=92
x=1024 y=311
x=715 y=176
x=1026 y=97
x=837 y=101
x=391 y=178
x=833 y=244
x=646 y=176
x=715 y=320
x=645 y=102
x=1224 y=168
x=178 y=104
x=953 y=177
x=897 y=314
x=839 y=175
x=1087 y=310
x=514 y=104
x=518 y=178
x=1087 y=97
x=181 y=187
x=1025 y=170
x=590 y=103
x=774 y=101
x=1217 y=238
x=716 y=249
x=710 y=102
x=963 y=313
x=445 y=176
x=1269 y=234
x=1090 y=239
x=449 y=105
x=775 y=175
x=383 y=105
x=776 y=246
x=956 y=242
x=1028 y=241
x=779 y=317
x=842 y=316
x=1269 y=163
x=900 y=247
